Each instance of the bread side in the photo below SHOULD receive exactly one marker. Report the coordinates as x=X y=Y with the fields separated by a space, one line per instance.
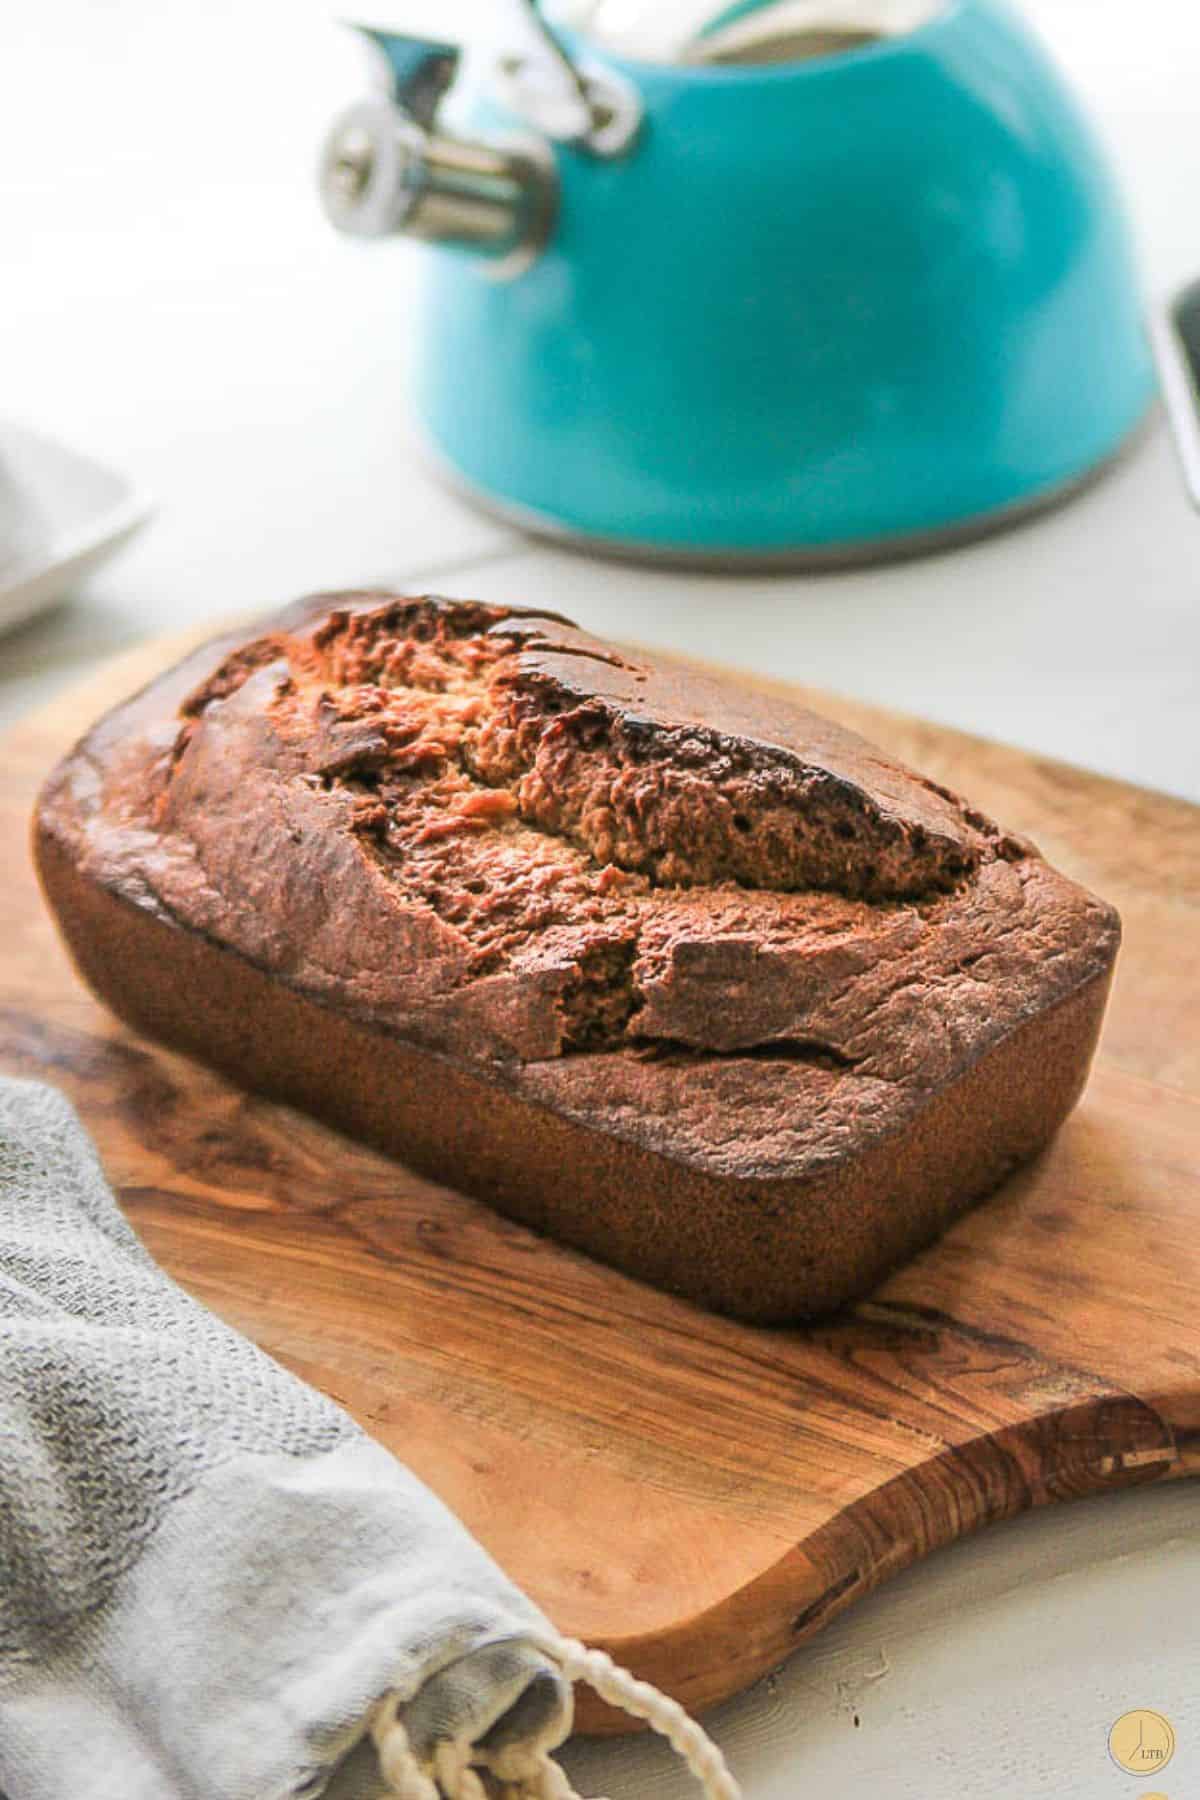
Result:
x=732 y=949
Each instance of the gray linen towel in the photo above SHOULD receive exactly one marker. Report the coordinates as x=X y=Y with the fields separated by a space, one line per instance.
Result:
x=213 y=1586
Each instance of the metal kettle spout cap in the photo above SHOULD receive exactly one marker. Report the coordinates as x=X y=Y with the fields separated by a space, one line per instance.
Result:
x=387 y=166
x=381 y=174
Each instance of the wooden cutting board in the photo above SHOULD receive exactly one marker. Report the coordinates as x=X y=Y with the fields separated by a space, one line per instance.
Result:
x=694 y=1495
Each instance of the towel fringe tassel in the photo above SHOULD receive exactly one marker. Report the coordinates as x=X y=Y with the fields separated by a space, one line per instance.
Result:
x=451 y=1774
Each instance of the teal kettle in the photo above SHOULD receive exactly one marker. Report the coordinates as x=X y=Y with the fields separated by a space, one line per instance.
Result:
x=774 y=305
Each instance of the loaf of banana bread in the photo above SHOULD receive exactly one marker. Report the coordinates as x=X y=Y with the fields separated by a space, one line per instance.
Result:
x=697 y=982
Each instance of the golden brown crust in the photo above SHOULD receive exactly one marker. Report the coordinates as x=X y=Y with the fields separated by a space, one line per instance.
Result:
x=760 y=1096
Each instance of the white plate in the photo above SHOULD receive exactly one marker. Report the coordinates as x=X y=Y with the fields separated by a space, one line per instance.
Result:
x=60 y=514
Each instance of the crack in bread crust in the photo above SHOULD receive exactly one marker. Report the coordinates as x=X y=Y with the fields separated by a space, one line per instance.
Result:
x=548 y=850
x=682 y=803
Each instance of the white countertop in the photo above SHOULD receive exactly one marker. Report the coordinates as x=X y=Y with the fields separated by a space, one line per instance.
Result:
x=173 y=303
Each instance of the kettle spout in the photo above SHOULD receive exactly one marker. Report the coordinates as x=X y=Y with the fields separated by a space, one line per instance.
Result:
x=386 y=167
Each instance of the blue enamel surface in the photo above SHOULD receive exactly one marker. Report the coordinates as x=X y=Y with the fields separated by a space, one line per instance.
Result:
x=819 y=303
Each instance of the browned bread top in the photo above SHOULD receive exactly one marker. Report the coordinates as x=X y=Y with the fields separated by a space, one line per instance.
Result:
x=719 y=925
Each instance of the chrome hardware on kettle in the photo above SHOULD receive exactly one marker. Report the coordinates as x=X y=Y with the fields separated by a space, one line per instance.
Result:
x=388 y=166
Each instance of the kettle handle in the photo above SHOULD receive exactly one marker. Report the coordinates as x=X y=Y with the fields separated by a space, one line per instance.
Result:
x=568 y=98
x=1176 y=341
x=573 y=81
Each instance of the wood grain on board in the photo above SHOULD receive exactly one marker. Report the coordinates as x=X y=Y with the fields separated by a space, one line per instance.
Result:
x=693 y=1494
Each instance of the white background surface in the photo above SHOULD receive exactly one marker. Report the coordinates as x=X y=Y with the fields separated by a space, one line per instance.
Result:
x=172 y=301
